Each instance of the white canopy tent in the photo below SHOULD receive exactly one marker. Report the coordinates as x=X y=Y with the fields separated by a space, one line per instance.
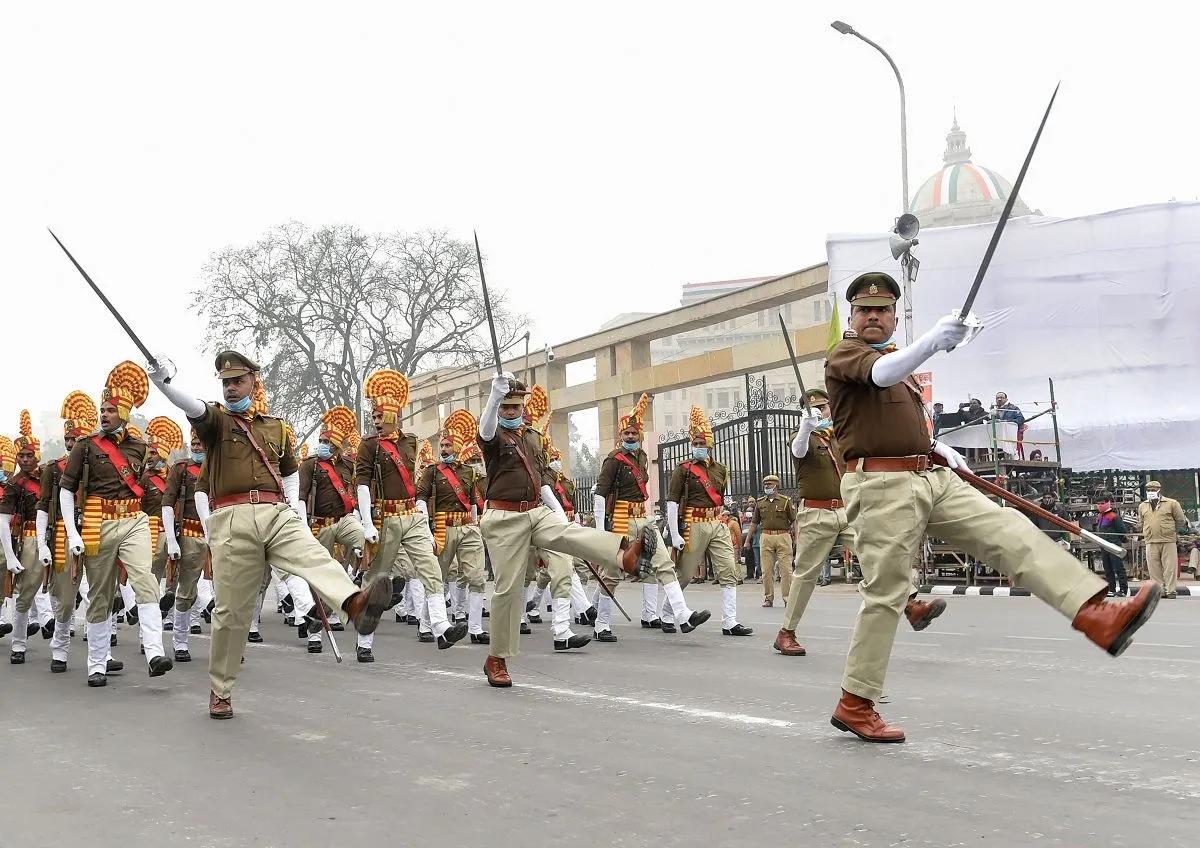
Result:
x=1107 y=305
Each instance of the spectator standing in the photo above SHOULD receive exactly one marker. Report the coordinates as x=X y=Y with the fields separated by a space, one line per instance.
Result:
x=1006 y=411
x=1111 y=527
x=938 y=409
x=1050 y=504
x=973 y=411
x=1161 y=520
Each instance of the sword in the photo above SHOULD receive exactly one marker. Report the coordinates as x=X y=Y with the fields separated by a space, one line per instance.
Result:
x=487 y=305
x=1008 y=207
x=128 y=330
x=787 y=338
x=604 y=589
x=333 y=645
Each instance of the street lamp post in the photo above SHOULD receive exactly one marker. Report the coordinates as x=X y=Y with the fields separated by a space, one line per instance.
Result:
x=846 y=29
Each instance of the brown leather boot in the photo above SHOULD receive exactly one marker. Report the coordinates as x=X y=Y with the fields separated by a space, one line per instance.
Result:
x=219 y=707
x=364 y=607
x=920 y=614
x=857 y=715
x=1112 y=623
x=787 y=645
x=496 y=670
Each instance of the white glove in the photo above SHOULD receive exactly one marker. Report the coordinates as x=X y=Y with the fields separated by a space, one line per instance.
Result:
x=423 y=508
x=203 y=512
x=370 y=534
x=364 y=515
x=951 y=331
x=66 y=504
x=44 y=553
x=500 y=384
x=14 y=564
x=953 y=458
x=172 y=548
x=809 y=418
x=74 y=543
x=673 y=525
x=162 y=374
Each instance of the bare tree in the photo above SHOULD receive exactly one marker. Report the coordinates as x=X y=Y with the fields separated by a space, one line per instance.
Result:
x=320 y=310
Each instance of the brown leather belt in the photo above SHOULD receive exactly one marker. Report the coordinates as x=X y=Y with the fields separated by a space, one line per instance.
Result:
x=116 y=510
x=254 y=496
x=513 y=506
x=29 y=528
x=890 y=463
x=403 y=506
x=637 y=509
x=703 y=514
x=776 y=532
x=813 y=503
x=457 y=519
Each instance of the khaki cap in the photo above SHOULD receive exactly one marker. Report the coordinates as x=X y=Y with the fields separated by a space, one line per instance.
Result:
x=516 y=394
x=1154 y=484
x=230 y=363
x=873 y=289
x=816 y=396
x=771 y=478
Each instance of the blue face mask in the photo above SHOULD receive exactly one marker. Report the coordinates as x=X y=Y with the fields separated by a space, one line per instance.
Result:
x=197 y=458
x=699 y=453
x=631 y=446
x=3 y=475
x=882 y=345
x=324 y=451
x=511 y=423
x=447 y=457
x=824 y=423
x=240 y=405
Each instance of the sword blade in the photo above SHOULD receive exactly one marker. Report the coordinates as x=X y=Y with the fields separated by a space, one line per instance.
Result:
x=787 y=339
x=128 y=330
x=604 y=589
x=1008 y=207
x=487 y=305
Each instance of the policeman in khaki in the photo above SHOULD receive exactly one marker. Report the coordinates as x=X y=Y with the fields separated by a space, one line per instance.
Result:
x=105 y=468
x=696 y=496
x=394 y=518
x=774 y=514
x=18 y=512
x=1162 y=519
x=187 y=548
x=254 y=495
x=896 y=493
x=327 y=488
x=447 y=488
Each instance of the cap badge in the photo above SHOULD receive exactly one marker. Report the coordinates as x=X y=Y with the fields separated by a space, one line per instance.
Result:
x=874 y=289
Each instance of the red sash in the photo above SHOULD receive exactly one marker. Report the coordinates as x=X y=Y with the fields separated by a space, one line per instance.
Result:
x=33 y=487
x=62 y=465
x=335 y=480
x=120 y=463
x=700 y=474
x=390 y=448
x=193 y=469
x=159 y=483
x=637 y=473
x=562 y=497
x=457 y=486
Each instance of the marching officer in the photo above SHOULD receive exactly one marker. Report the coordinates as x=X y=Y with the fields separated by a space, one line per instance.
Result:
x=186 y=545
x=775 y=514
x=18 y=527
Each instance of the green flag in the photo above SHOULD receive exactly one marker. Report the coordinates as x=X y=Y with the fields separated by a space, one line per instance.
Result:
x=835 y=329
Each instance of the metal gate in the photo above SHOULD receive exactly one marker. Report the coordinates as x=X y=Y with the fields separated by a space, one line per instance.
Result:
x=751 y=446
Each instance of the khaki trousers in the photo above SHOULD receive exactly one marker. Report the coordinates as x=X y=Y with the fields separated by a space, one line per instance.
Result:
x=192 y=553
x=891 y=512
x=1162 y=560
x=348 y=533
x=406 y=550
x=127 y=539
x=27 y=583
x=660 y=563
x=63 y=589
x=158 y=565
x=556 y=574
x=776 y=550
x=243 y=538
x=462 y=557
x=508 y=536
x=712 y=538
x=817 y=531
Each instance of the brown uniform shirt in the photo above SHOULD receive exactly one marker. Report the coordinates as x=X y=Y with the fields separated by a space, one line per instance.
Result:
x=774 y=512
x=393 y=483
x=177 y=477
x=103 y=479
x=17 y=501
x=152 y=498
x=568 y=487
x=435 y=490
x=234 y=466
x=51 y=473
x=507 y=479
x=616 y=481
x=683 y=480
x=868 y=420
x=327 y=503
x=480 y=487
x=817 y=475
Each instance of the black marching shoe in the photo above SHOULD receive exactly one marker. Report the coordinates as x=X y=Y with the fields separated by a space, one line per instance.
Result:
x=160 y=666
x=401 y=619
x=667 y=627
x=17 y=658
x=112 y=641
x=113 y=666
x=131 y=616
x=336 y=626
x=453 y=634
x=97 y=679
x=182 y=655
x=426 y=637
x=315 y=647
x=207 y=613
x=652 y=625
x=289 y=621
x=58 y=666
x=695 y=620
x=412 y=620
x=481 y=638
x=487 y=613
x=168 y=624
x=530 y=606
x=737 y=630
x=254 y=636
x=535 y=618
x=365 y=655
x=32 y=629
x=194 y=630
x=606 y=636
x=591 y=614
x=166 y=602
x=576 y=641
x=525 y=629
x=5 y=629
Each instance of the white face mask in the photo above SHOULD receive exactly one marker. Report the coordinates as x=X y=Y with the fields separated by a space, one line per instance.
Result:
x=1153 y=495
x=556 y=465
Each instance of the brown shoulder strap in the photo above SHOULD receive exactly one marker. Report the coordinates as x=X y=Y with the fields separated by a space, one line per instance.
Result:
x=242 y=425
x=515 y=441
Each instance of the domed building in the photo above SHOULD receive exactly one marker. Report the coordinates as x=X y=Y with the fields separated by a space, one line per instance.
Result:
x=963 y=192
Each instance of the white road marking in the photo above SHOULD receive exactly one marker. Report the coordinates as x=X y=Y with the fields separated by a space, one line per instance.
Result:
x=1164 y=645
x=733 y=718
x=1019 y=650
x=1040 y=638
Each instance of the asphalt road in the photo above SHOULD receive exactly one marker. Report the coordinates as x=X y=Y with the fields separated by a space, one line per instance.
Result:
x=1020 y=734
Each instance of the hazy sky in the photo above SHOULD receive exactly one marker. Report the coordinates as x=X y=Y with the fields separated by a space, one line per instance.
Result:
x=607 y=153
